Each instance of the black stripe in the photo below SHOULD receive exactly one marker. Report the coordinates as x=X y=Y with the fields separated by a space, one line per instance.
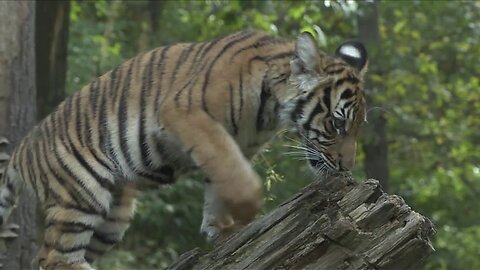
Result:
x=267 y=58
x=232 y=111
x=114 y=82
x=93 y=250
x=118 y=220
x=104 y=239
x=104 y=140
x=58 y=247
x=123 y=118
x=104 y=182
x=195 y=57
x=87 y=129
x=335 y=65
x=93 y=96
x=295 y=115
x=64 y=121
x=69 y=226
x=196 y=64
x=261 y=42
x=347 y=104
x=45 y=172
x=90 y=147
x=242 y=37
x=190 y=93
x=327 y=99
x=96 y=251
x=29 y=169
x=318 y=109
x=45 y=148
x=69 y=206
x=74 y=189
x=146 y=84
x=39 y=149
x=32 y=180
x=348 y=93
x=162 y=63
x=264 y=96
x=193 y=76
x=181 y=59
x=166 y=170
x=335 y=71
x=352 y=80
x=240 y=90
x=215 y=41
x=78 y=121
x=198 y=68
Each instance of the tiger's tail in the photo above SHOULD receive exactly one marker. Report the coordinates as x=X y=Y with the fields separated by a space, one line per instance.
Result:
x=9 y=187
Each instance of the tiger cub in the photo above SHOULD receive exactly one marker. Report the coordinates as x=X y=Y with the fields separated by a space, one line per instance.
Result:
x=207 y=106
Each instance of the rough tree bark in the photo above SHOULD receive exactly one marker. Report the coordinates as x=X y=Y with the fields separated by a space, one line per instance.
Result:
x=331 y=224
x=17 y=112
x=375 y=144
x=51 y=37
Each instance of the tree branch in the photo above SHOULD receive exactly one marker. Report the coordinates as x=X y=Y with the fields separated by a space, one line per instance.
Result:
x=333 y=224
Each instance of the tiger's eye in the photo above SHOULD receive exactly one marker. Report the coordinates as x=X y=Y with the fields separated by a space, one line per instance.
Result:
x=338 y=123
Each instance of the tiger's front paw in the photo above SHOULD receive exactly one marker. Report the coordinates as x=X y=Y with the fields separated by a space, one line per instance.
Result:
x=214 y=235
x=244 y=201
x=210 y=232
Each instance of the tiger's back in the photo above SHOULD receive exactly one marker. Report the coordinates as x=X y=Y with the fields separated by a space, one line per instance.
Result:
x=207 y=105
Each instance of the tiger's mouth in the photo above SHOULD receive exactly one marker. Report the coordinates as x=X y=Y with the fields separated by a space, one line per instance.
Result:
x=316 y=160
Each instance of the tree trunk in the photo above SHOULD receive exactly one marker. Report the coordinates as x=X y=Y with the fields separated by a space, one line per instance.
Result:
x=17 y=112
x=331 y=224
x=374 y=141
x=51 y=37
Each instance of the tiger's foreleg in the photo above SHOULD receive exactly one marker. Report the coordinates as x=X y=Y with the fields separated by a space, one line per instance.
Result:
x=213 y=150
x=215 y=215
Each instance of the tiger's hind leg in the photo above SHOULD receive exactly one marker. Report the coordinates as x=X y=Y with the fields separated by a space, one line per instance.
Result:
x=67 y=235
x=112 y=229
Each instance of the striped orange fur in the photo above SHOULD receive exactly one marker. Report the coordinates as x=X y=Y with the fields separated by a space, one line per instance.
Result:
x=207 y=106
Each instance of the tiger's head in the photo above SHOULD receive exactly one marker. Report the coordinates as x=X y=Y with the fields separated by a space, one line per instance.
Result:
x=329 y=107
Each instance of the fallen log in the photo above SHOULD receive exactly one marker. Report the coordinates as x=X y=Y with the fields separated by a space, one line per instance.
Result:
x=332 y=224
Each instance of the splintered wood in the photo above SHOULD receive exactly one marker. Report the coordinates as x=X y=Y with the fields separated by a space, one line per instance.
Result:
x=332 y=224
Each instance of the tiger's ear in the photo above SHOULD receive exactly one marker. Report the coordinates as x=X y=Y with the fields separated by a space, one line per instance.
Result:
x=355 y=54
x=308 y=56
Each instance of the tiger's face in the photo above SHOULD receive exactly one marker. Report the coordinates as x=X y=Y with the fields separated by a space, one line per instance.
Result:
x=329 y=108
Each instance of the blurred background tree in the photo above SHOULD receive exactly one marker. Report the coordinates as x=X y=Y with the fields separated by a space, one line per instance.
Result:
x=423 y=133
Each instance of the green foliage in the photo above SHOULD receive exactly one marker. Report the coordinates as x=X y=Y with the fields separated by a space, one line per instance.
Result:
x=427 y=78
